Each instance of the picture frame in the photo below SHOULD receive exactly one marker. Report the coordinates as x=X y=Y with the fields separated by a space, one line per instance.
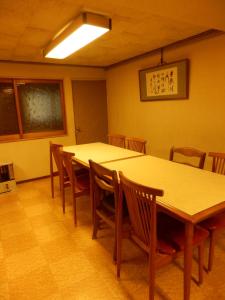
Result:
x=165 y=82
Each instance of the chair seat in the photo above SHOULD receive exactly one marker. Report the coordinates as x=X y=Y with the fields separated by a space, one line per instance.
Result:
x=106 y=216
x=82 y=175
x=104 y=197
x=108 y=203
x=83 y=183
x=173 y=231
x=178 y=236
x=165 y=248
x=81 y=171
x=215 y=223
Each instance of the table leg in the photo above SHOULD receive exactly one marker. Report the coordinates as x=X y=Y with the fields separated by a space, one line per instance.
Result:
x=91 y=197
x=189 y=228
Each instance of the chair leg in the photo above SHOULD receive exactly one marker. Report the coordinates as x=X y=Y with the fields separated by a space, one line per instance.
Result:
x=151 y=268
x=51 y=174
x=151 y=284
x=52 y=185
x=60 y=187
x=114 y=249
x=118 y=244
x=63 y=198
x=74 y=210
x=95 y=226
x=151 y=289
x=118 y=257
x=119 y=234
x=211 y=250
x=200 y=262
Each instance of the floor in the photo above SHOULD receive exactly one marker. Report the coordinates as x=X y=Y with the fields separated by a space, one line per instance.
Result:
x=43 y=256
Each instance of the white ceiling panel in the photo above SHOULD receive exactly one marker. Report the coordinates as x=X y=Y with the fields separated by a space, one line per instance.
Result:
x=27 y=26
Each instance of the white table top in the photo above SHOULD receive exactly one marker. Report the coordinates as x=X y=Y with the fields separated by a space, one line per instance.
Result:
x=99 y=152
x=186 y=188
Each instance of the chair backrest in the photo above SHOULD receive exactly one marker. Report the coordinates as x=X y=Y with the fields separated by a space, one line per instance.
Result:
x=189 y=153
x=67 y=159
x=118 y=140
x=141 y=203
x=136 y=144
x=55 y=153
x=103 y=179
x=218 y=163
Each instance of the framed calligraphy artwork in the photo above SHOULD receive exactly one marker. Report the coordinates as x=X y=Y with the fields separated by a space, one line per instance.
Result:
x=164 y=82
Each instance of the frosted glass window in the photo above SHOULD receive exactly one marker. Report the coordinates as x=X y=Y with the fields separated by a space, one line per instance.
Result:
x=8 y=115
x=40 y=105
x=31 y=108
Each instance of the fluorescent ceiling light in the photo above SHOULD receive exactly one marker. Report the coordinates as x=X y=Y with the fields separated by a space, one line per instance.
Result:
x=80 y=32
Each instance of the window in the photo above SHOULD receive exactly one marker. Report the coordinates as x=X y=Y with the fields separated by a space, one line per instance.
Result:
x=8 y=115
x=31 y=109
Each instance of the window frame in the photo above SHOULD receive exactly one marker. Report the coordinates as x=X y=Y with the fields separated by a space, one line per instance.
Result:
x=40 y=134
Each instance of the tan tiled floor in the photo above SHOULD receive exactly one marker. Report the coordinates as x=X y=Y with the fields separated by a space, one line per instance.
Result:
x=43 y=256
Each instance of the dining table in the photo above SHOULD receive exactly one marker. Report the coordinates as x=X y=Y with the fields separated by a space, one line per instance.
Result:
x=99 y=152
x=190 y=194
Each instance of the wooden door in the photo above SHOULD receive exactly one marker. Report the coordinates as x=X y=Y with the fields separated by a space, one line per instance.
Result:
x=90 y=111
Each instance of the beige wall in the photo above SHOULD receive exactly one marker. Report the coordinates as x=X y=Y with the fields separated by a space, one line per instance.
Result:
x=31 y=157
x=198 y=121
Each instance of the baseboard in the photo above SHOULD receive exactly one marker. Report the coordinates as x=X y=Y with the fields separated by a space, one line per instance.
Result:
x=32 y=179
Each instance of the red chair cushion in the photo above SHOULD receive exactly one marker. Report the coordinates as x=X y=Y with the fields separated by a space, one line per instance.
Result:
x=173 y=231
x=165 y=248
x=214 y=223
x=83 y=182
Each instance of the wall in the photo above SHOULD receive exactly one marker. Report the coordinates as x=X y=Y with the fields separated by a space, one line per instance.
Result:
x=198 y=121
x=31 y=157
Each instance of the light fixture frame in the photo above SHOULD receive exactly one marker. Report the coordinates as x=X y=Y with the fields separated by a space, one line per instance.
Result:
x=84 y=18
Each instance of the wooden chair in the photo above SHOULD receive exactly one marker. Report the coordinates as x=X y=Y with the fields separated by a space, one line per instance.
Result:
x=55 y=150
x=55 y=155
x=188 y=152
x=136 y=144
x=104 y=196
x=118 y=140
x=160 y=241
x=215 y=223
x=218 y=162
x=175 y=233
x=80 y=185
x=141 y=203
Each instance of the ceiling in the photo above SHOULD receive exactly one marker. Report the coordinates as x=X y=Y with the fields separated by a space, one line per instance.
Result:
x=138 y=26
